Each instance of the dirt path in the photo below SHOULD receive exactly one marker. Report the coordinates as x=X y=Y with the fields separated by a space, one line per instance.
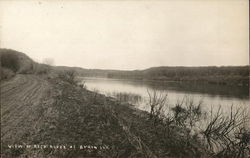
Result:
x=53 y=112
x=20 y=106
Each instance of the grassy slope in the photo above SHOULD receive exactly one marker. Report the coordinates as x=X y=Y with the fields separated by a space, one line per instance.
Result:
x=71 y=115
x=85 y=117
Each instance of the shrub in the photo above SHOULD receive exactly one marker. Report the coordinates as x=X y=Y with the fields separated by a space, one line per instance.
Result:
x=157 y=103
x=83 y=84
x=6 y=73
x=227 y=135
x=187 y=113
x=41 y=68
x=68 y=76
x=10 y=61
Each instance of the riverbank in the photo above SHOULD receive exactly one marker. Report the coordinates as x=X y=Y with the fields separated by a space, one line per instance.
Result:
x=92 y=124
x=93 y=119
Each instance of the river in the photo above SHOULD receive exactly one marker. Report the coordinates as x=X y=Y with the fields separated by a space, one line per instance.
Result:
x=210 y=95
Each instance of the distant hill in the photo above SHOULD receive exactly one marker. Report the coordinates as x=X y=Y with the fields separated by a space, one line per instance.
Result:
x=227 y=75
x=88 y=72
x=18 y=62
x=224 y=75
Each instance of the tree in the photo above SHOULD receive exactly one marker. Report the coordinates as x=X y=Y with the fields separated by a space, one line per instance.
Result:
x=11 y=61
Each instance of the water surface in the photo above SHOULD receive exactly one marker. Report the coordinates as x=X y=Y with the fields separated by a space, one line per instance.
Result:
x=211 y=95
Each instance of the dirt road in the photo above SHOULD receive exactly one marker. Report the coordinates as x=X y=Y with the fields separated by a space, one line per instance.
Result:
x=54 y=112
x=20 y=106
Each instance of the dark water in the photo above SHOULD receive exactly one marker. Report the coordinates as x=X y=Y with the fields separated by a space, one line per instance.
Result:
x=211 y=95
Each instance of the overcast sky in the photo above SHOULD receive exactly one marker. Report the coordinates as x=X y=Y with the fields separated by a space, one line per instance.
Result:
x=128 y=34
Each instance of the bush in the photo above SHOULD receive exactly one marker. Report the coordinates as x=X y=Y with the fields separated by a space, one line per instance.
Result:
x=184 y=127
x=227 y=135
x=157 y=103
x=41 y=68
x=10 y=61
x=6 y=73
x=68 y=76
x=186 y=113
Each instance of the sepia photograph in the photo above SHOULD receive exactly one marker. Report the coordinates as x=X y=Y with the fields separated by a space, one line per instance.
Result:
x=124 y=79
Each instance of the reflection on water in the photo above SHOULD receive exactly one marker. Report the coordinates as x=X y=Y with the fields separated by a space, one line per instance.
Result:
x=126 y=97
x=211 y=95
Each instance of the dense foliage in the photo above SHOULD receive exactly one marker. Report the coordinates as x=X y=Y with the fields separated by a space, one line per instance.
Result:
x=226 y=75
x=10 y=61
x=14 y=62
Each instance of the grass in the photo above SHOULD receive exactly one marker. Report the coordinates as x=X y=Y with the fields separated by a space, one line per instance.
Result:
x=126 y=97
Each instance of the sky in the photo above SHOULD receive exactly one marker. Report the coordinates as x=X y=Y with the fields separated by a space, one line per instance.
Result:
x=128 y=35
